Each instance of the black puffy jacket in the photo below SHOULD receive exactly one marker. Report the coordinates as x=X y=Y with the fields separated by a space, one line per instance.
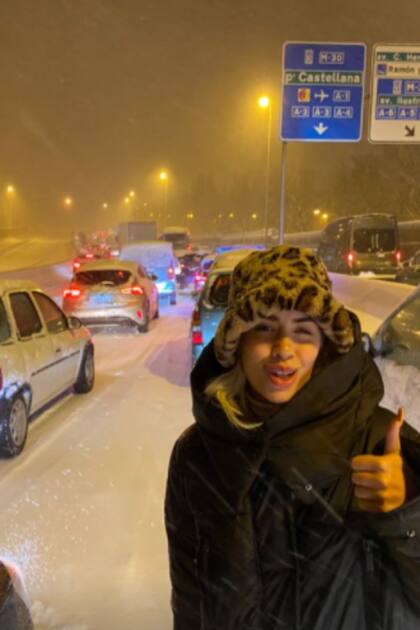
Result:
x=263 y=530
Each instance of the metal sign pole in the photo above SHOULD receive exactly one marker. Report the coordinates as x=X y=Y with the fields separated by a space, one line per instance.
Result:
x=282 y=192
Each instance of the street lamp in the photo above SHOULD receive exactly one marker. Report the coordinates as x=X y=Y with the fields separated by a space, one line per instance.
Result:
x=132 y=194
x=164 y=178
x=317 y=212
x=10 y=194
x=68 y=202
x=265 y=103
x=324 y=216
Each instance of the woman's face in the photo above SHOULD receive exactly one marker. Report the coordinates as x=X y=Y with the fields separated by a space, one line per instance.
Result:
x=278 y=355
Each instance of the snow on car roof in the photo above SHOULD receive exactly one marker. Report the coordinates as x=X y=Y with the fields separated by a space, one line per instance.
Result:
x=11 y=285
x=228 y=260
x=98 y=265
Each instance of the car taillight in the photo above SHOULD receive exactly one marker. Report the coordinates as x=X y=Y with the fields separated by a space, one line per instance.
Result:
x=71 y=293
x=351 y=258
x=195 y=317
x=398 y=256
x=197 y=337
x=171 y=273
x=134 y=290
x=76 y=265
x=89 y=255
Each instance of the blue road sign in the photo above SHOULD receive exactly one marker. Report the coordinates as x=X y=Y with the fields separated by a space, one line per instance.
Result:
x=322 y=92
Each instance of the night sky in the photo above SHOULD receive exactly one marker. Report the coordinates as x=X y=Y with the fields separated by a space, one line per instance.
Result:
x=98 y=95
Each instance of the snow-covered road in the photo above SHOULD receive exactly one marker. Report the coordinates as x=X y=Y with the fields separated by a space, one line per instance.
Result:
x=82 y=507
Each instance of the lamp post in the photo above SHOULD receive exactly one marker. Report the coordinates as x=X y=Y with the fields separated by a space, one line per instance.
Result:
x=265 y=103
x=164 y=178
x=10 y=195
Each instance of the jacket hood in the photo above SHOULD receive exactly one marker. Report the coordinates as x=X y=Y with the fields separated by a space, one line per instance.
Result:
x=309 y=440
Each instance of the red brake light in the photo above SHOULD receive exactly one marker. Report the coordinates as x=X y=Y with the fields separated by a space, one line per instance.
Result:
x=197 y=337
x=171 y=273
x=398 y=256
x=76 y=265
x=89 y=255
x=71 y=293
x=350 y=258
x=134 y=290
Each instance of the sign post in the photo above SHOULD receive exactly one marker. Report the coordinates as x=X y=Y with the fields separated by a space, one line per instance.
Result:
x=395 y=112
x=322 y=97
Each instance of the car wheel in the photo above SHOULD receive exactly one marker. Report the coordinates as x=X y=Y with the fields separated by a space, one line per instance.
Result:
x=172 y=299
x=86 y=377
x=14 y=428
x=144 y=328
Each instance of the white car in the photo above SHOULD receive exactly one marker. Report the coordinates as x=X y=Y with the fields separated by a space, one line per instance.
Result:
x=396 y=348
x=43 y=353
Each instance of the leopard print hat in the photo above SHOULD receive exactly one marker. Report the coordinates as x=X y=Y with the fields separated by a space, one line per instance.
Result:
x=281 y=278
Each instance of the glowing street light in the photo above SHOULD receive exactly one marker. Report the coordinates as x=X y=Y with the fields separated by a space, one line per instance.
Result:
x=324 y=216
x=254 y=215
x=231 y=215
x=264 y=102
x=105 y=206
x=127 y=200
x=317 y=212
x=68 y=202
x=163 y=176
x=10 y=190
x=132 y=194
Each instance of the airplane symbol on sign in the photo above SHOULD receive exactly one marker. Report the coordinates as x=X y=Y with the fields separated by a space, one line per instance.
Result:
x=322 y=95
x=410 y=131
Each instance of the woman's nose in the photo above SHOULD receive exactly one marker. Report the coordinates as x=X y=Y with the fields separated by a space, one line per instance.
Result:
x=282 y=346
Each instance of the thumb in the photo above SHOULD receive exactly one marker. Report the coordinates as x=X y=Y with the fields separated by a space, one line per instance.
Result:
x=392 y=437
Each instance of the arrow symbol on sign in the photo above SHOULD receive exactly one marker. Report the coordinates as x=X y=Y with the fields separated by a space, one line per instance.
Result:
x=321 y=128
x=410 y=131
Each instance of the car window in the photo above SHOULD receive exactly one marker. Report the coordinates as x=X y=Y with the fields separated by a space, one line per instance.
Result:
x=4 y=323
x=26 y=318
x=219 y=290
x=55 y=319
x=107 y=277
x=401 y=335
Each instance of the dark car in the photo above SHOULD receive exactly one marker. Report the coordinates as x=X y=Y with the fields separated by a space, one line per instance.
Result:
x=410 y=273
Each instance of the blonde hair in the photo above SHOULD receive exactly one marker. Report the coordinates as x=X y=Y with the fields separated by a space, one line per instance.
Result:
x=228 y=390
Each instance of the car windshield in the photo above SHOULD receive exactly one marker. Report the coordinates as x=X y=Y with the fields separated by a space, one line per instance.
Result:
x=400 y=339
x=111 y=277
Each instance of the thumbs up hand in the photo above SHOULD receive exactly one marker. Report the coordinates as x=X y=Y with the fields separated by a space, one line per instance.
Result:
x=379 y=482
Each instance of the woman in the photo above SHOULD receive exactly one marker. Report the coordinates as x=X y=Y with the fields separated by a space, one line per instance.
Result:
x=292 y=502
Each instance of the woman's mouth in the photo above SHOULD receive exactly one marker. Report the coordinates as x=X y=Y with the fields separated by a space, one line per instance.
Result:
x=281 y=378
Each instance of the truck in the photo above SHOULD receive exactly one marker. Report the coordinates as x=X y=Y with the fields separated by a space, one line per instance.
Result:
x=136 y=231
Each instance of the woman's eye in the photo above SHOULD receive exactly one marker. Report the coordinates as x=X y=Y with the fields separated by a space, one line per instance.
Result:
x=303 y=331
x=264 y=328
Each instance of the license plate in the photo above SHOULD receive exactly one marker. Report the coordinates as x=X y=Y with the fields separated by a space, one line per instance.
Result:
x=101 y=298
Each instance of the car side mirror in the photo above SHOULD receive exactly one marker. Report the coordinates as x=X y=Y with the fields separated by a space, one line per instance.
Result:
x=74 y=323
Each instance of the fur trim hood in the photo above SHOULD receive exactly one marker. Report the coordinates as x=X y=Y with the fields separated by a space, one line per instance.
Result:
x=281 y=278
